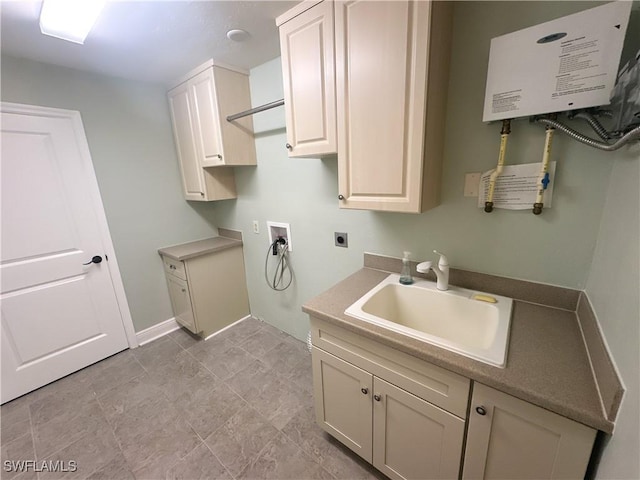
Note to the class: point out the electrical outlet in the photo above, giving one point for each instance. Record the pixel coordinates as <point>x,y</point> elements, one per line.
<point>341,239</point>
<point>256,226</point>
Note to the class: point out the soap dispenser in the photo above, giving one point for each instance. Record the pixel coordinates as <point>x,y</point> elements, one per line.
<point>405,273</point>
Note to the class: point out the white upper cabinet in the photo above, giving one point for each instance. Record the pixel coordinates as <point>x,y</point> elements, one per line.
<point>199,105</point>
<point>307,49</point>
<point>392,66</point>
<point>193,184</point>
<point>207,123</point>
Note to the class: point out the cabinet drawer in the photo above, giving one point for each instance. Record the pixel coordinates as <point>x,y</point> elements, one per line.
<point>174,267</point>
<point>441,387</point>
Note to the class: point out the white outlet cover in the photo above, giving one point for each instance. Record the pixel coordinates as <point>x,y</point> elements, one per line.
<point>472,184</point>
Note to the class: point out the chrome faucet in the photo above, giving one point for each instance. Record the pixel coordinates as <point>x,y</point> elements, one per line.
<point>441,271</point>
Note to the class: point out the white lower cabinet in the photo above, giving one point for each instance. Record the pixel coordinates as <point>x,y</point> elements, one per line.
<point>402,435</point>
<point>509,438</point>
<point>408,417</point>
<point>208,292</point>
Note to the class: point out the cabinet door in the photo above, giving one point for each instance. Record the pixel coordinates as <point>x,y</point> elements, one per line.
<point>182,118</point>
<point>181,302</point>
<point>342,394</point>
<point>205,119</point>
<point>218,289</point>
<point>381,60</point>
<point>413,439</point>
<point>307,48</point>
<point>390,57</point>
<point>513,439</point>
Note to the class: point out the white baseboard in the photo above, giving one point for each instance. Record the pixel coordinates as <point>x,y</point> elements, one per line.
<point>156,331</point>
<point>227,327</point>
<point>163,328</point>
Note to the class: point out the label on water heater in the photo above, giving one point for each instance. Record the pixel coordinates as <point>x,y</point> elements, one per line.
<point>561,65</point>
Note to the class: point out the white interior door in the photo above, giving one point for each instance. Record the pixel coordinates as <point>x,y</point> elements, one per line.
<point>58,315</point>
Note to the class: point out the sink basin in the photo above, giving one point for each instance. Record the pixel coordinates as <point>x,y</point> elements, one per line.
<point>450,319</point>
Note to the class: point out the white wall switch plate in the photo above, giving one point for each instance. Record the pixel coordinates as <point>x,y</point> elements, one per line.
<point>256,226</point>
<point>471,184</point>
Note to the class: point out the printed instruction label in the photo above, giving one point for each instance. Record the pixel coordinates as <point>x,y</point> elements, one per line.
<point>517,186</point>
<point>556,66</point>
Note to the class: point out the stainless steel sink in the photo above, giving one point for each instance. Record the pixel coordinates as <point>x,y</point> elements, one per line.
<point>456,319</point>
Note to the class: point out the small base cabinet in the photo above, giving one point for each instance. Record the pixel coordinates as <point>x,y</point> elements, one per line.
<point>511,438</point>
<point>208,292</point>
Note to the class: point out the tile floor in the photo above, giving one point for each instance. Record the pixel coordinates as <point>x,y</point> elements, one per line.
<point>237,406</point>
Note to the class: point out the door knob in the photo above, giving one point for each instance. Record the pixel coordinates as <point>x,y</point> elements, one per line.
<point>96,259</point>
<point>377,398</point>
<point>340,197</point>
<point>289,147</point>
<point>481,410</point>
<point>364,390</point>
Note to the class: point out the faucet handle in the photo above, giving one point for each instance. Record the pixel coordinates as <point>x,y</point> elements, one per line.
<point>444,262</point>
<point>424,267</point>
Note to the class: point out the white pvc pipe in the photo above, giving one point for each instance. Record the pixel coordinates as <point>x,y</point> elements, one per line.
<point>537,206</point>
<point>504,135</point>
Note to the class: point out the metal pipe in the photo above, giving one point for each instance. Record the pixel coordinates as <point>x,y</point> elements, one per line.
<point>504,135</point>
<point>595,124</point>
<point>633,134</point>
<point>543,179</point>
<point>251,111</point>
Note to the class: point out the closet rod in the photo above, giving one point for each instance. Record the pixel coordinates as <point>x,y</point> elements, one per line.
<point>251,111</point>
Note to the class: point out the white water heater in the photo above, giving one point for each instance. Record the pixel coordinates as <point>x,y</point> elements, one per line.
<point>561,65</point>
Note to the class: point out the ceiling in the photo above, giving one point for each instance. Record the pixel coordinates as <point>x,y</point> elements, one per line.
<point>150,40</point>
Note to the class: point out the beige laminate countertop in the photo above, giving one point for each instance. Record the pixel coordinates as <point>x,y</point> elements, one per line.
<point>188,250</point>
<point>547,362</point>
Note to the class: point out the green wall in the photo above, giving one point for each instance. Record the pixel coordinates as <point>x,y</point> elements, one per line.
<point>613,288</point>
<point>129,134</point>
